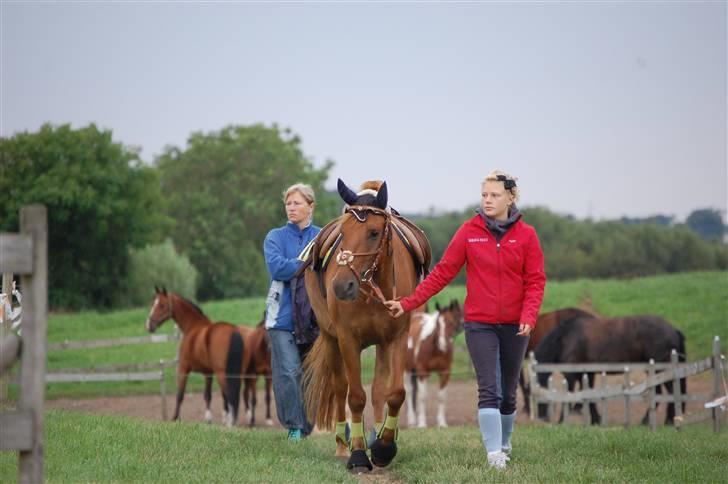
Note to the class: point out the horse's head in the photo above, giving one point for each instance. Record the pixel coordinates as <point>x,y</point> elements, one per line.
<point>161,309</point>
<point>453,316</point>
<point>364,233</point>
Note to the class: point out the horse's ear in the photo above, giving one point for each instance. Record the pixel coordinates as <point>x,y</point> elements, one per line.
<point>381,200</point>
<point>347,194</point>
<point>454,304</point>
<point>156,290</point>
<point>437,307</point>
<point>164,290</point>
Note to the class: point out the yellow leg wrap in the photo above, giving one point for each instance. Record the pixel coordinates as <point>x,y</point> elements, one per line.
<point>341,431</point>
<point>357,430</point>
<point>391,423</point>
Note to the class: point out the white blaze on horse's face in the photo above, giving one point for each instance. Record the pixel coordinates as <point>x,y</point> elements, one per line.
<point>148,324</point>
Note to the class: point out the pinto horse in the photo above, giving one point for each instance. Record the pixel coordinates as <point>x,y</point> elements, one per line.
<point>430,348</point>
<point>371,265</point>
<point>258,346</point>
<point>612,340</point>
<point>207,348</point>
<point>544,324</point>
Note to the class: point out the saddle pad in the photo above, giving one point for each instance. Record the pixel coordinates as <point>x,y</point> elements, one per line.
<point>415,240</point>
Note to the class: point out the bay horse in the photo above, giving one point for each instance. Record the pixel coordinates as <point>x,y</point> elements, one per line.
<point>258,345</point>
<point>371,265</point>
<point>208,348</point>
<point>430,348</point>
<point>612,340</point>
<point>544,324</point>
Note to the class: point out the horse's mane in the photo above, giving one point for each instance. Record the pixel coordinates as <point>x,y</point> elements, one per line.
<point>371,185</point>
<point>193,305</point>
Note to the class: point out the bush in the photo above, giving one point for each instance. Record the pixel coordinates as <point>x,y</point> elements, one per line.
<point>158,265</point>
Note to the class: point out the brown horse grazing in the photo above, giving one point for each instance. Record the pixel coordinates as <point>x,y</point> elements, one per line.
<point>207,348</point>
<point>544,324</point>
<point>430,350</point>
<point>370,263</point>
<point>614,340</point>
<point>258,345</point>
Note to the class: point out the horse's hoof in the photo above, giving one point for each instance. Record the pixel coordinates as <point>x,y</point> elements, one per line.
<point>383,453</point>
<point>359,463</point>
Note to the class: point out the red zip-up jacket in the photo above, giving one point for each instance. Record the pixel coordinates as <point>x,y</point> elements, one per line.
<point>505,280</point>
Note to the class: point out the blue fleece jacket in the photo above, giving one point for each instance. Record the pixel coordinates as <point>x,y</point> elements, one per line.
<point>281,249</point>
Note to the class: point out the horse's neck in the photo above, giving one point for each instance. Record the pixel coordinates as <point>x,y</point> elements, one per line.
<point>187,316</point>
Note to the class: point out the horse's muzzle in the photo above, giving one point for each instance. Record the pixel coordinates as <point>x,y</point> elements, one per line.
<point>151,327</point>
<point>346,290</point>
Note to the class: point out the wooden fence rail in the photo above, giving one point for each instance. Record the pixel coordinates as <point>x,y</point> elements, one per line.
<point>668,372</point>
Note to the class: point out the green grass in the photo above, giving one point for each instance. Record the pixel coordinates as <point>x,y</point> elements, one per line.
<point>89,448</point>
<point>696,303</point>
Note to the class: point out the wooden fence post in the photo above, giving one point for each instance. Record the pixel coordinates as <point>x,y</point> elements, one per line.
<point>626,386</point>
<point>163,390</point>
<point>605,401</point>
<point>34,222</point>
<point>676,390</point>
<point>4,331</point>
<point>652,389</point>
<point>585,410</point>
<point>717,412</point>
<point>550,407</point>
<point>532,384</point>
<point>565,407</point>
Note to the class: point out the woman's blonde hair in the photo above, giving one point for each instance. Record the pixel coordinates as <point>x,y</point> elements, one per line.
<point>498,175</point>
<point>305,190</point>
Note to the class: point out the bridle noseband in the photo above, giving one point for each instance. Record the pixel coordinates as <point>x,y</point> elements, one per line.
<point>346,257</point>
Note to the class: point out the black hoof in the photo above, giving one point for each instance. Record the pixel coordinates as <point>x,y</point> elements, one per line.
<point>383,453</point>
<point>359,462</point>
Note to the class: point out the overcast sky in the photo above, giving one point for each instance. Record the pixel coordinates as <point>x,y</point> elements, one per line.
<point>600,109</point>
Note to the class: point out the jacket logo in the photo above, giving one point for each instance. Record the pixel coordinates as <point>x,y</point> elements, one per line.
<point>512,241</point>
<point>477,239</point>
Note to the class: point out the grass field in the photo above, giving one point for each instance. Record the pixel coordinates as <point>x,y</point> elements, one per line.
<point>696,303</point>
<point>87,448</point>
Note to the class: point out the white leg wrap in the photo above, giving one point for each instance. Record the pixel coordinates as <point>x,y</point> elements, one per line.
<point>411,420</point>
<point>441,401</point>
<point>422,404</point>
<point>208,416</point>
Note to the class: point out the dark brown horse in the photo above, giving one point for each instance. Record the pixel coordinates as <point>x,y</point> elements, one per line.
<point>430,348</point>
<point>258,346</point>
<point>614,340</point>
<point>207,348</point>
<point>369,264</point>
<point>545,323</point>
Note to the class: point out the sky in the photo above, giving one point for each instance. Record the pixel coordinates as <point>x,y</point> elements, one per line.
<point>601,109</point>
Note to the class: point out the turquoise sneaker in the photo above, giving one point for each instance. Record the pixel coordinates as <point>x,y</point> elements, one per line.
<point>295,435</point>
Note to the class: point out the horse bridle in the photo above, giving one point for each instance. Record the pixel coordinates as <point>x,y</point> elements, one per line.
<point>346,257</point>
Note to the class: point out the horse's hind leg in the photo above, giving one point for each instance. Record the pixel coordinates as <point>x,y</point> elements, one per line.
<point>379,389</point>
<point>442,398</point>
<point>351,355</point>
<point>670,417</point>
<point>525,390</point>
<point>268,383</point>
<point>208,398</point>
<point>253,399</point>
<point>410,387</point>
<point>595,418</point>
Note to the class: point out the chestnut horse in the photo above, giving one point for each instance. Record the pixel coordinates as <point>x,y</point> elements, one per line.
<point>544,324</point>
<point>258,346</point>
<point>207,348</point>
<point>370,265</point>
<point>430,350</point>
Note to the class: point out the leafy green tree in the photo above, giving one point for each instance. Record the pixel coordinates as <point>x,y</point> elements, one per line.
<point>225,193</point>
<point>707,223</point>
<point>101,200</point>
<point>158,265</point>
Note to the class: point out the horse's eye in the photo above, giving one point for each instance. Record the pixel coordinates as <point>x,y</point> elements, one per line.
<point>373,234</point>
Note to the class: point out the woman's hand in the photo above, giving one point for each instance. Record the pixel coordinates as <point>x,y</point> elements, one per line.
<point>394,308</point>
<point>524,330</point>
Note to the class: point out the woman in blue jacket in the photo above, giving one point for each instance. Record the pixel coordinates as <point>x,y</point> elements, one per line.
<point>281,248</point>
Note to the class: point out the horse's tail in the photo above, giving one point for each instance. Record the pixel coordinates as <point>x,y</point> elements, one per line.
<point>322,368</point>
<point>233,373</point>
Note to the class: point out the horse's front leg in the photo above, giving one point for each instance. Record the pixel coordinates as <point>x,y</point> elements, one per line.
<point>268,384</point>
<point>208,398</point>
<point>384,448</point>
<point>351,355</point>
<point>182,373</point>
<point>379,390</point>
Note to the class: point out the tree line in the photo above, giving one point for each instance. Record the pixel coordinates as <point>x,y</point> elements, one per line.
<point>195,219</point>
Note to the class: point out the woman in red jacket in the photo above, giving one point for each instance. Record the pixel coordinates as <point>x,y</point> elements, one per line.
<point>505,284</point>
